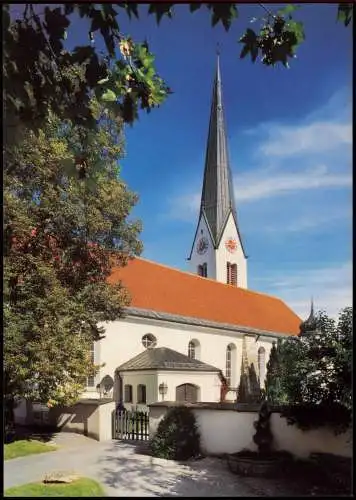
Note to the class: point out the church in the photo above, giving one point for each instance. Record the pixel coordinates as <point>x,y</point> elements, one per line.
<point>186,336</point>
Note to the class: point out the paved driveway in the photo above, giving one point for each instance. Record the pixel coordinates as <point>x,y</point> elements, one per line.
<point>124,471</point>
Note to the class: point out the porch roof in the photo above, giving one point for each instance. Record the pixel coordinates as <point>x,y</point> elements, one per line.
<point>163,358</point>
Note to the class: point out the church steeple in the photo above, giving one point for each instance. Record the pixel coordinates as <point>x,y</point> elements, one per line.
<point>217,250</point>
<point>217,200</point>
<point>309,326</point>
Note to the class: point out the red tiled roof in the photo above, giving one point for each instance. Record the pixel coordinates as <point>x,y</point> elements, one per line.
<point>163,289</point>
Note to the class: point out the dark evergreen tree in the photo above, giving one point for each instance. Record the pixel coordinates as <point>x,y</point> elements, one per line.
<point>273,387</point>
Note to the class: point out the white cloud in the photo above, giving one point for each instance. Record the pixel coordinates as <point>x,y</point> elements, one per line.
<point>185,207</point>
<point>331,288</point>
<point>338,105</point>
<point>325,129</point>
<point>307,157</point>
<point>289,140</point>
<point>260,184</point>
<point>311,221</point>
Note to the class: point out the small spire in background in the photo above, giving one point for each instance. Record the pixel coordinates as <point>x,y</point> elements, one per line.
<point>309,325</point>
<point>218,49</point>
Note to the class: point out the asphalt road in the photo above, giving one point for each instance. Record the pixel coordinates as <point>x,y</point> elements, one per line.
<point>123,470</point>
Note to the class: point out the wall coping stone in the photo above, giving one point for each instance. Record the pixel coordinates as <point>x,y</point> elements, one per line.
<point>240,407</point>
<point>93,401</point>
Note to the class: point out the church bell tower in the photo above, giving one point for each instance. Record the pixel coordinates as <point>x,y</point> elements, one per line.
<point>217,250</point>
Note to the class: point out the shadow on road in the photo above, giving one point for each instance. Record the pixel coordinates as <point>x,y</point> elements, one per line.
<point>133,474</point>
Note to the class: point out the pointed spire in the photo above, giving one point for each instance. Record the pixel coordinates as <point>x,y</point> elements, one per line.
<point>217,200</point>
<point>309,325</point>
<point>312,307</point>
<point>311,315</point>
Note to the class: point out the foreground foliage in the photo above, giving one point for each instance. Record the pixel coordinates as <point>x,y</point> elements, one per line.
<point>83,487</point>
<point>37,57</point>
<point>313,374</point>
<point>177,436</point>
<point>62,235</point>
<point>25,447</point>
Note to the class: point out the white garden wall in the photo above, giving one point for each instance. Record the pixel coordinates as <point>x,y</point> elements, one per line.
<point>227,430</point>
<point>302,443</point>
<point>91,418</point>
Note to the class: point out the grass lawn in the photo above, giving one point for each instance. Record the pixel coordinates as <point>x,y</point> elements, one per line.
<point>83,487</point>
<point>25,447</point>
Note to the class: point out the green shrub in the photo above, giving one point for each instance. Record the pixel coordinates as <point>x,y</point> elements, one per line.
<point>177,436</point>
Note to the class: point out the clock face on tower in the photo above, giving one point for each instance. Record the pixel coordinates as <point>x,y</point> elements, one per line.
<point>231,245</point>
<point>202,245</point>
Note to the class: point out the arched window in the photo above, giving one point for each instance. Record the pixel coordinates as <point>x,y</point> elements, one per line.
<point>194,349</point>
<point>128,393</point>
<point>141,393</point>
<point>231,274</point>
<point>229,364</point>
<point>149,341</point>
<point>203,270</point>
<point>261,361</point>
<point>191,350</point>
<point>91,378</point>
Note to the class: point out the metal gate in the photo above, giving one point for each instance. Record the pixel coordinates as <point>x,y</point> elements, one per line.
<point>133,425</point>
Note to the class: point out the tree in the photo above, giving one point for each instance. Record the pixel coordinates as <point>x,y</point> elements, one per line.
<point>37,67</point>
<point>36,62</point>
<point>343,357</point>
<point>62,235</point>
<point>315,371</point>
<point>273,387</point>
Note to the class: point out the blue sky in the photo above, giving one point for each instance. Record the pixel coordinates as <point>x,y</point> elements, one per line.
<point>290,150</point>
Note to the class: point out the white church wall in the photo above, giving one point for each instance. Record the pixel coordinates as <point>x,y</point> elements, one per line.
<point>208,256</point>
<point>123,341</point>
<point>223,256</point>
<point>208,384</point>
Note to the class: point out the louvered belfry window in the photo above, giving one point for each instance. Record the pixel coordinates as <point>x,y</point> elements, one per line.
<point>234,274</point>
<point>231,274</point>
<point>228,272</point>
<point>203,270</point>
